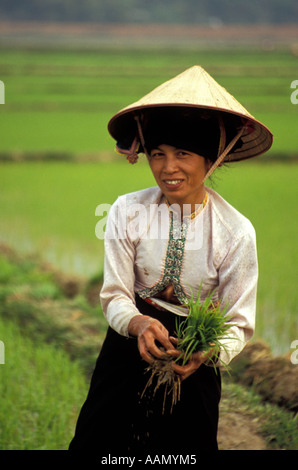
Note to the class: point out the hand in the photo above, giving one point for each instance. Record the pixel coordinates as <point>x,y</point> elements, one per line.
<point>194,362</point>
<point>149,330</point>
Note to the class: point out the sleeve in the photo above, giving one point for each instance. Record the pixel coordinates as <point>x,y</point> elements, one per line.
<point>117,294</point>
<point>238,276</point>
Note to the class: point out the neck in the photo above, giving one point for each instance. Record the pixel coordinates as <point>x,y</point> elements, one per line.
<point>188,205</point>
<point>189,208</point>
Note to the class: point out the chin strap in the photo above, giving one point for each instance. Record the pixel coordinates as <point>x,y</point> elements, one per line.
<point>141,136</point>
<point>222,135</point>
<point>224,153</point>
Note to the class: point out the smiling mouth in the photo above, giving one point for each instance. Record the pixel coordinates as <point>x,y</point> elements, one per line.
<point>172,182</point>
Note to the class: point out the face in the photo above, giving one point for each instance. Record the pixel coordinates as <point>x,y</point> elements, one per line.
<point>179,174</point>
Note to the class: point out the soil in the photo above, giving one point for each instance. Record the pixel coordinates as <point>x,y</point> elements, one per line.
<point>237,431</point>
<point>275,379</point>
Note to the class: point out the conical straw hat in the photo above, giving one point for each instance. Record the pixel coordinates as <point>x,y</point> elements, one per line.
<point>196,89</point>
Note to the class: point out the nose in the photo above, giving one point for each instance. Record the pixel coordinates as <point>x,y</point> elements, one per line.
<point>170,164</point>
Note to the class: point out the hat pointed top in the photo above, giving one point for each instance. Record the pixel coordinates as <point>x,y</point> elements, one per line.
<point>194,87</point>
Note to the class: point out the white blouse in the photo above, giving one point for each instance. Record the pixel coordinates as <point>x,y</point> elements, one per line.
<point>147,248</point>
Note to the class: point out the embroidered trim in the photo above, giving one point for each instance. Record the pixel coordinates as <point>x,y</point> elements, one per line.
<point>174,256</point>
<point>200,208</point>
<point>173,262</point>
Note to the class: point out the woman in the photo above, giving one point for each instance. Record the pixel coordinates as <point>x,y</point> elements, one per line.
<point>161,245</point>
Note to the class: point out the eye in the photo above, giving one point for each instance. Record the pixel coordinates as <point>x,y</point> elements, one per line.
<point>182,154</point>
<point>156,154</point>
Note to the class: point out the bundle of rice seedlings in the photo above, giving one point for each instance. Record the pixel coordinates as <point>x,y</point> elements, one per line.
<point>204,329</point>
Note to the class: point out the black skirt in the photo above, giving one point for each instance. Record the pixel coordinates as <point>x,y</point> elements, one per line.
<point>114,417</point>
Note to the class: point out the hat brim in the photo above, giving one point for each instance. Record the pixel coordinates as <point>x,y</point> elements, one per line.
<point>255,140</point>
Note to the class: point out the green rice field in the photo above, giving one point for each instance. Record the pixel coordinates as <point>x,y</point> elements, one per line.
<point>57,105</point>
<point>60,101</point>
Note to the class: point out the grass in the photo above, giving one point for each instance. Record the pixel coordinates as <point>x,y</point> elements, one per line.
<point>41,390</point>
<point>50,308</point>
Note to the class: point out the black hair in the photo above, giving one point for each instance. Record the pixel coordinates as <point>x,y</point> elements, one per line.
<point>187,129</point>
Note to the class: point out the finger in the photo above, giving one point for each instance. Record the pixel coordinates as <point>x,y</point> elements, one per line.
<point>182,370</point>
<point>149,345</point>
<point>173,340</point>
<point>155,351</point>
<point>206,355</point>
<point>164,339</point>
<point>144,352</point>
<point>160,334</point>
<point>174,353</point>
<point>188,369</point>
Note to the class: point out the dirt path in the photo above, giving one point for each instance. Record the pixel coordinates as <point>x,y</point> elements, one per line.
<point>275,379</point>
<point>239,432</point>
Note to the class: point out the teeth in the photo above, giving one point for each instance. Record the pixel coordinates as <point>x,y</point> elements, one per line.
<point>172,181</point>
